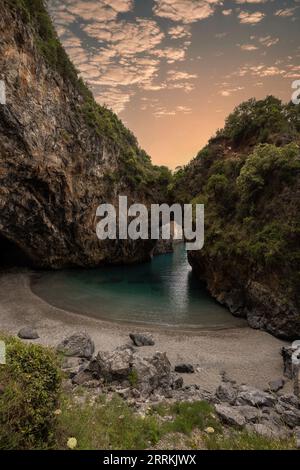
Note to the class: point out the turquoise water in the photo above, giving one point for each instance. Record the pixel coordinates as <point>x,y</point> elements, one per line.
<point>161,292</point>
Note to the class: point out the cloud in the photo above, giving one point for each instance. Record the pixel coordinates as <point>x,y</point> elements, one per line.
<point>162,111</point>
<point>179,32</point>
<point>286,12</point>
<point>248,47</point>
<point>260,70</point>
<point>229,91</point>
<point>113,98</point>
<point>176,75</point>
<point>268,41</point>
<point>187,11</point>
<point>127,38</point>
<point>227,12</point>
<point>251,18</point>
<point>101,10</point>
<point>171,54</point>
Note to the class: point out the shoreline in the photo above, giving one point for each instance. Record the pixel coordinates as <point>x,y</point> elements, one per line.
<point>246,355</point>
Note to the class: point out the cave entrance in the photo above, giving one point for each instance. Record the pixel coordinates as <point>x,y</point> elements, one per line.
<point>11,255</point>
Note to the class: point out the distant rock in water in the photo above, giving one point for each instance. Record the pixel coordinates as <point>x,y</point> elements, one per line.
<point>61,154</point>
<point>248,178</point>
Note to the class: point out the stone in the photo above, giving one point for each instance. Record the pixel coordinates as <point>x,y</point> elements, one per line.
<point>287,353</point>
<point>289,401</point>
<point>140,340</point>
<point>184,368</point>
<point>73,365</point>
<point>226,393</point>
<point>82,378</point>
<point>250,413</point>
<point>77,345</point>
<point>291,418</point>
<point>114,366</point>
<point>28,333</point>
<point>254,397</point>
<point>268,431</point>
<point>230,415</point>
<point>276,385</point>
<point>177,382</point>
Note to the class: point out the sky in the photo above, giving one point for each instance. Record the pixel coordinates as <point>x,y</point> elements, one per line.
<point>174,69</point>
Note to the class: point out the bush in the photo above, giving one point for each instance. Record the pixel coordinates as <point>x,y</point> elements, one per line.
<point>31,381</point>
<point>268,164</point>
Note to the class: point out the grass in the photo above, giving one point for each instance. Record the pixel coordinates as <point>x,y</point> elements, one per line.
<point>105,425</point>
<point>35,414</point>
<point>244,440</point>
<point>113,425</point>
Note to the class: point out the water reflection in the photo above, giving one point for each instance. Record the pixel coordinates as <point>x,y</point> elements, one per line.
<point>163,292</point>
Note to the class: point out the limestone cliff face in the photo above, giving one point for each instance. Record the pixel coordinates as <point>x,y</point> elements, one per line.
<point>61,155</point>
<point>248,177</point>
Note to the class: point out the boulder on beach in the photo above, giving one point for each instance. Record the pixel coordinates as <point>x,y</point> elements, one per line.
<point>77,345</point>
<point>185,368</point>
<point>28,333</point>
<point>140,340</point>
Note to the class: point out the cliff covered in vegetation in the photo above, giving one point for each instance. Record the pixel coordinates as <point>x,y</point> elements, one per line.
<point>61,154</point>
<point>248,177</point>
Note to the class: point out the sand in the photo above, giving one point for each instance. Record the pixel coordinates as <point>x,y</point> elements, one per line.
<point>246,355</point>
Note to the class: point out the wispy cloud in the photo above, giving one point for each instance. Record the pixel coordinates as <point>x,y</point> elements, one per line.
<point>187,11</point>
<point>251,18</point>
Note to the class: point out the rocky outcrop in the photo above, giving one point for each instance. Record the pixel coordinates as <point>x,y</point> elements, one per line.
<point>264,413</point>
<point>61,154</point>
<point>248,179</point>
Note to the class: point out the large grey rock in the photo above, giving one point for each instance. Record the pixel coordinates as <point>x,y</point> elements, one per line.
<point>116,365</point>
<point>77,345</point>
<point>289,401</point>
<point>230,415</point>
<point>28,333</point>
<point>185,368</point>
<point>268,430</point>
<point>291,418</point>
<point>140,340</point>
<point>226,393</point>
<point>146,375</point>
<point>73,365</point>
<point>82,378</point>
<point>254,397</point>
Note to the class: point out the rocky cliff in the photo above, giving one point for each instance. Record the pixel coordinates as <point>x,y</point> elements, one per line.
<point>248,177</point>
<point>61,154</point>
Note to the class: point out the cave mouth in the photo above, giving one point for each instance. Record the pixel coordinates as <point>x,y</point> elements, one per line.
<point>11,255</point>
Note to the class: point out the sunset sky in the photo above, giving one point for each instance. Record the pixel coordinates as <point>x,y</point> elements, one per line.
<point>174,69</point>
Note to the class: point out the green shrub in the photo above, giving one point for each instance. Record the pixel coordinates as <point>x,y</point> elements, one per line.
<point>31,382</point>
<point>268,164</point>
